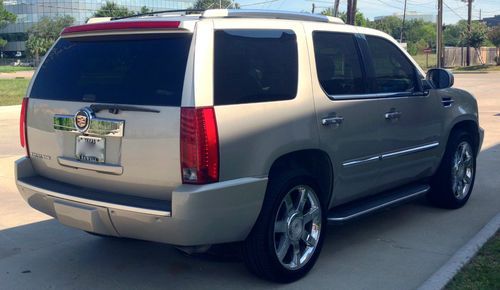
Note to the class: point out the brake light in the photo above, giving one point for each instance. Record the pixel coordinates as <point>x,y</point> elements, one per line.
<point>121,25</point>
<point>23,130</point>
<point>199,146</point>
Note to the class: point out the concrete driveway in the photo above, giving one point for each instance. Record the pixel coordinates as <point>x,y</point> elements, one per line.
<point>395,249</point>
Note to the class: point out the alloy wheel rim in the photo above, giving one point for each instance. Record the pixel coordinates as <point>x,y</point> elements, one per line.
<point>462,170</point>
<point>297,227</point>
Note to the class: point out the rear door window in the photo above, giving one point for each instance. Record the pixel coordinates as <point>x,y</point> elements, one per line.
<point>338,63</point>
<point>254,66</point>
<point>132,69</point>
<point>394,73</point>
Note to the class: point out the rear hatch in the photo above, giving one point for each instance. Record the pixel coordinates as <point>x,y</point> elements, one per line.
<point>104,112</point>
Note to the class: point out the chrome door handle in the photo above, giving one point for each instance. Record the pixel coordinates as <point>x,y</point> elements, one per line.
<point>392,115</point>
<point>327,121</point>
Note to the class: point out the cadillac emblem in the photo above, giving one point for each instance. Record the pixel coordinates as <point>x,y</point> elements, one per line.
<point>83,119</point>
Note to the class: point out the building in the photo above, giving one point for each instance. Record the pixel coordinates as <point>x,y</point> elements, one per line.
<point>411,15</point>
<point>30,11</point>
<point>492,21</point>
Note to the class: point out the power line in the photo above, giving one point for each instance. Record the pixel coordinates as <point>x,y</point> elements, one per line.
<point>452,10</point>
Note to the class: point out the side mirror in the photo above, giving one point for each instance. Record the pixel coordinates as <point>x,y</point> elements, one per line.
<point>440,78</point>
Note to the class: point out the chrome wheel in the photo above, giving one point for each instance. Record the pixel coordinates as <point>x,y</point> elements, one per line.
<point>297,227</point>
<point>462,170</point>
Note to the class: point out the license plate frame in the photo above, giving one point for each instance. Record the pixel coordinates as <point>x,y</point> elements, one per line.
<point>90,149</point>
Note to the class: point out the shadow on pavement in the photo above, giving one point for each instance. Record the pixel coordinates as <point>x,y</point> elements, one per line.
<point>386,246</point>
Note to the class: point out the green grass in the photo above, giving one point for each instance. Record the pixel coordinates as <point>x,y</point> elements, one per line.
<point>12,91</point>
<point>483,271</point>
<point>478,68</point>
<point>420,59</point>
<point>11,69</point>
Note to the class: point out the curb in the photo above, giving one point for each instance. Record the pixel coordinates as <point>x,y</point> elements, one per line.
<point>441,278</point>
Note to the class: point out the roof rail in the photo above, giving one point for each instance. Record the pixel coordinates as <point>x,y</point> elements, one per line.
<point>153,13</point>
<point>271,14</point>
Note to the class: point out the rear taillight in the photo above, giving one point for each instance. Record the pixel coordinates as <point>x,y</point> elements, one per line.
<point>23,130</point>
<point>199,146</point>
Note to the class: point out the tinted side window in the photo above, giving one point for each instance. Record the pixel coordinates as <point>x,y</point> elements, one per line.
<point>254,66</point>
<point>393,71</point>
<point>338,63</point>
<point>124,69</point>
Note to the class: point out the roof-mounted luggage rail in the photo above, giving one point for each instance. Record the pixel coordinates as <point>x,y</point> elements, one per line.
<point>153,13</point>
<point>269,14</point>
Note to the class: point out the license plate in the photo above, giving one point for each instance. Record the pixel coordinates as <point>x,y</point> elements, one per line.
<point>90,149</point>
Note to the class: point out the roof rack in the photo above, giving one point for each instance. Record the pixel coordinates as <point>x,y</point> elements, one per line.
<point>270,14</point>
<point>153,13</point>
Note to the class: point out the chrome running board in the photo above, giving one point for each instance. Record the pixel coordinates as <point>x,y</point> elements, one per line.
<point>365,206</point>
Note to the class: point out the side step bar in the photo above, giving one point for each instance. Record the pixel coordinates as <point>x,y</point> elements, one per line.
<point>356,209</point>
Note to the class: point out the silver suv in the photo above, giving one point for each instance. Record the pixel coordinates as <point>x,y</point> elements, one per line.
<point>257,127</point>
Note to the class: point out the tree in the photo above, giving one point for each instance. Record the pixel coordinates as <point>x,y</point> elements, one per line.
<point>6,18</point>
<point>111,9</point>
<point>145,10</point>
<point>419,31</point>
<point>477,36</point>
<point>214,4</point>
<point>452,34</point>
<point>43,34</point>
<point>359,19</point>
<point>390,25</point>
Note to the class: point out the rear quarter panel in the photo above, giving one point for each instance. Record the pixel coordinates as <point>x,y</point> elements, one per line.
<point>252,136</point>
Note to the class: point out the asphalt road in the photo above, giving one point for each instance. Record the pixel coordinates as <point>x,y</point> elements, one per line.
<point>394,249</point>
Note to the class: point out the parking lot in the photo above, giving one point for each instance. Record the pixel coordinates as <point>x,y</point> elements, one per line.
<point>394,249</point>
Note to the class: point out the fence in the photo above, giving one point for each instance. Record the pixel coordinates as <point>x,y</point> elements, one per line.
<point>17,62</point>
<point>456,56</point>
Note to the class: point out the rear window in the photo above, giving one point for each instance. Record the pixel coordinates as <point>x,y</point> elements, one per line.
<point>254,66</point>
<point>139,70</point>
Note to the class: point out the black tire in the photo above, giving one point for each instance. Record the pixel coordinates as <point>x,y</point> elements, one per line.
<point>258,250</point>
<point>442,192</point>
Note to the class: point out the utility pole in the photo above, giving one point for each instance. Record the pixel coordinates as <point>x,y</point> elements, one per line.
<point>336,8</point>
<point>439,35</point>
<point>353,11</point>
<point>313,7</point>
<point>403,24</point>
<point>469,20</point>
<point>349,9</point>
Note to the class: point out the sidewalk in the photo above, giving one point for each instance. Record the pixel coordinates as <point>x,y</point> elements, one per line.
<point>17,75</point>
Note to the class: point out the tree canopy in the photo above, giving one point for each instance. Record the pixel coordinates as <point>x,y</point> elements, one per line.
<point>214,4</point>
<point>359,19</point>
<point>44,33</point>
<point>111,9</point>
<point>6,18</point>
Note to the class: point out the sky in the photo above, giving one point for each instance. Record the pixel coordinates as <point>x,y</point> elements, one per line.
<point>454,10</point>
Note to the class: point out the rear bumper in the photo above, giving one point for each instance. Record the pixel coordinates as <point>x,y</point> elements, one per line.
<point>197,214</point>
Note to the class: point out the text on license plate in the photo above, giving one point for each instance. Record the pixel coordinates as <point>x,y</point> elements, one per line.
<point>90,149</point>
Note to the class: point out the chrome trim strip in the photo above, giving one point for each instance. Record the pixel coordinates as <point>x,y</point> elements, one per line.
<point>403,152</point>
<point>97,127</point>
<point>104,168</point>
<point>95,202</point>
<point>394,95</point>
<point>410,150</point>
<point>361,161</point>
<point>380,206</point>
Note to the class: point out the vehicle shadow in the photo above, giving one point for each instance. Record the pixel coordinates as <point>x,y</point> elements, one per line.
<point>365,253</point>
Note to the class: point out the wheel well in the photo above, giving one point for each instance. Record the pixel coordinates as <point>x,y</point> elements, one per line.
<point>314,161</point>
<point>471,127</point>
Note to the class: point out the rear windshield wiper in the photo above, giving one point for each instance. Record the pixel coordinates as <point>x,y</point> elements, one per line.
<point>115,109</point>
